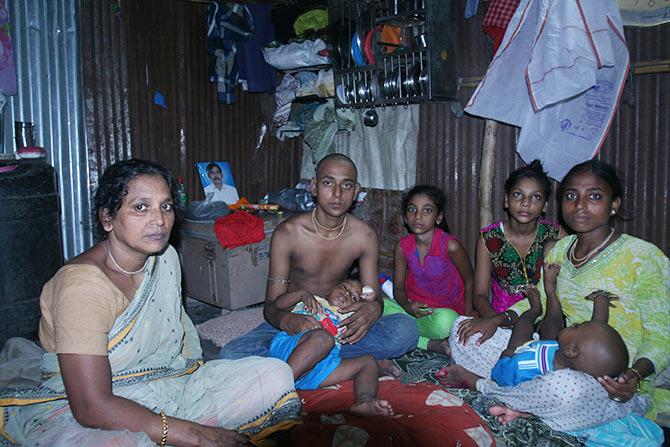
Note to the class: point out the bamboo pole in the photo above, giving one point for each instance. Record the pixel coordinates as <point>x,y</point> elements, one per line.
<point>486,173</point>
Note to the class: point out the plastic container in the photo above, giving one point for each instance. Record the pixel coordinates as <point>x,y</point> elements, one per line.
<point>182,198</point>
<point>23,134</point>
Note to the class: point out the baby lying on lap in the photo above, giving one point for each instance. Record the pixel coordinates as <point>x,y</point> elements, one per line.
<point>314,356</point>
<point>592,347</point>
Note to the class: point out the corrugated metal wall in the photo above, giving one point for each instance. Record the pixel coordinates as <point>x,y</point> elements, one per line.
<point>166,50</point>
<point>105,74</point>
<point>164,44</point>
<point>46,48</point>
<point>450,148</point>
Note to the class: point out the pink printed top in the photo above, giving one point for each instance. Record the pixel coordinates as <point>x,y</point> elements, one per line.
<point>437,282</point>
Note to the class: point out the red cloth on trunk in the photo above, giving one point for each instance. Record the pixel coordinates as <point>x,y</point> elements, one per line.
<point>239,228</point>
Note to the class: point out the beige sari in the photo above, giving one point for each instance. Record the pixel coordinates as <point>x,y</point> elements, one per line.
<point>155,357</point>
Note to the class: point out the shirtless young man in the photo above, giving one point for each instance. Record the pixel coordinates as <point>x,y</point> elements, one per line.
<point>314,252</point>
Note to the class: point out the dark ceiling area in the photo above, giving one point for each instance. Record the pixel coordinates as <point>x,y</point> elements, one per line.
<point>303,4</point>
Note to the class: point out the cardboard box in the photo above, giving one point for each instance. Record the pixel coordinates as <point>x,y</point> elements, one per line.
<point>226,278</point>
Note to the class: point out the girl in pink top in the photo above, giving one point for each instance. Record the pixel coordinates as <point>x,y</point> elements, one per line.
<point>432,272</point>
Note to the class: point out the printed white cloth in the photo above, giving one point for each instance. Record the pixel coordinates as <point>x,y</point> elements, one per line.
<point>558,75</point>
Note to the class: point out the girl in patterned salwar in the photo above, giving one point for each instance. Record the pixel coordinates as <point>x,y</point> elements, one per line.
<point>596,257</point>
<point>123,361</point>
<point>509,254</point>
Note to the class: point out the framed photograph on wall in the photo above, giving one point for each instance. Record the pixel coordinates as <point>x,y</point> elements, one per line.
<point>217,181</point>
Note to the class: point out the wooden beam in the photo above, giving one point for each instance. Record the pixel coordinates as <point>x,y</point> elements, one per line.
<point>638,68</point>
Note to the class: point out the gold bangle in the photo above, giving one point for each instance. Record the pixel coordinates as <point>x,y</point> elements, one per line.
<point>164,433</point>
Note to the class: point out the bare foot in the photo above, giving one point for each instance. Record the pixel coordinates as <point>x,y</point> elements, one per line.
<point>441,346</point>
<point>505,415</point>
<point>375,407</point>
<point>455,376</point>
<point>388,368</point>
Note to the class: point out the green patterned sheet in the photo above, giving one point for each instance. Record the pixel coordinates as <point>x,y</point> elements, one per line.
<point>421,366</point>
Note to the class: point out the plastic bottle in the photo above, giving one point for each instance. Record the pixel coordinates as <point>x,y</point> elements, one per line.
<point>181,194</point>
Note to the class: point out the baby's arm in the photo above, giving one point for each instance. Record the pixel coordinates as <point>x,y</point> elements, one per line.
<point>523,327</point>
<point>288,300</point>
<point>601,305</point>
<point>553,320</point>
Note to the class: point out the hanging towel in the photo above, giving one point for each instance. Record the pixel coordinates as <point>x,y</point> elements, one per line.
<point>239,228</point>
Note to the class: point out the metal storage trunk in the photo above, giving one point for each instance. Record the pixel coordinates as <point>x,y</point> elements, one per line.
<point>228,278</point>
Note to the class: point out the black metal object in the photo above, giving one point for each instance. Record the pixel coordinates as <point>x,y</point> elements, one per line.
<point>371,70</point>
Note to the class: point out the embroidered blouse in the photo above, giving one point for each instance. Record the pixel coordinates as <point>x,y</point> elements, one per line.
<point>511,272</point>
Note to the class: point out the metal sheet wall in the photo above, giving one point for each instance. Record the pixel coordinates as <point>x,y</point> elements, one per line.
<point>166,50</point>
<point>46,48</point>
<point>637,145</point>
<point>105,78</point>
<point>163,43</point>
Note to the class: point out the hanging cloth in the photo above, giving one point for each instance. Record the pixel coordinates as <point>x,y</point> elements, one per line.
<point>226,24</point>
<point>558,75</point>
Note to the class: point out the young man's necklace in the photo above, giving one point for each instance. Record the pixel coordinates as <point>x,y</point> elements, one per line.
<point>317,225</point>
<point>578,262</point>
<point>121,269</point>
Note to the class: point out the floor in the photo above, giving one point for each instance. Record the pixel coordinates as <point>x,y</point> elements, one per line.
<point>199,313</point>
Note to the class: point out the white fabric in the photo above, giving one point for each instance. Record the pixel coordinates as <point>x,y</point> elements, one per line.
<point>558,75</point>
<point>385,155</point>
<point>226,194</point>
<point>649,13</point>
<point>296,55</point>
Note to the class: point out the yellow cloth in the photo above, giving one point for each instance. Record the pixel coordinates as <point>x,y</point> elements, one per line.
<point>79,306</point>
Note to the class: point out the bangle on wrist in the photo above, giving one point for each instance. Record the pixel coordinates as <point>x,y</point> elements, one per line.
<point>639,377</point>
<point>164,432</point>
<point>637,373</point>
<point>509,318</point>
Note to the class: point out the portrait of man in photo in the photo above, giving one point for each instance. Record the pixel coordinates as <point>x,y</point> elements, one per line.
<point>217,181</point>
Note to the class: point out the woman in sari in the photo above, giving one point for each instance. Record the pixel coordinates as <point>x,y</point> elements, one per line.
<point>123,361</point>
<point>595,257</point>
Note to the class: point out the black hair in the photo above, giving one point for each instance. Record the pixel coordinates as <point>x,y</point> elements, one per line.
<point>436,196</point>
<point>113,187</point>
<point>212,165</point>
<point>339,157</point>
<point>535,171</point>
<point>603,170</point>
